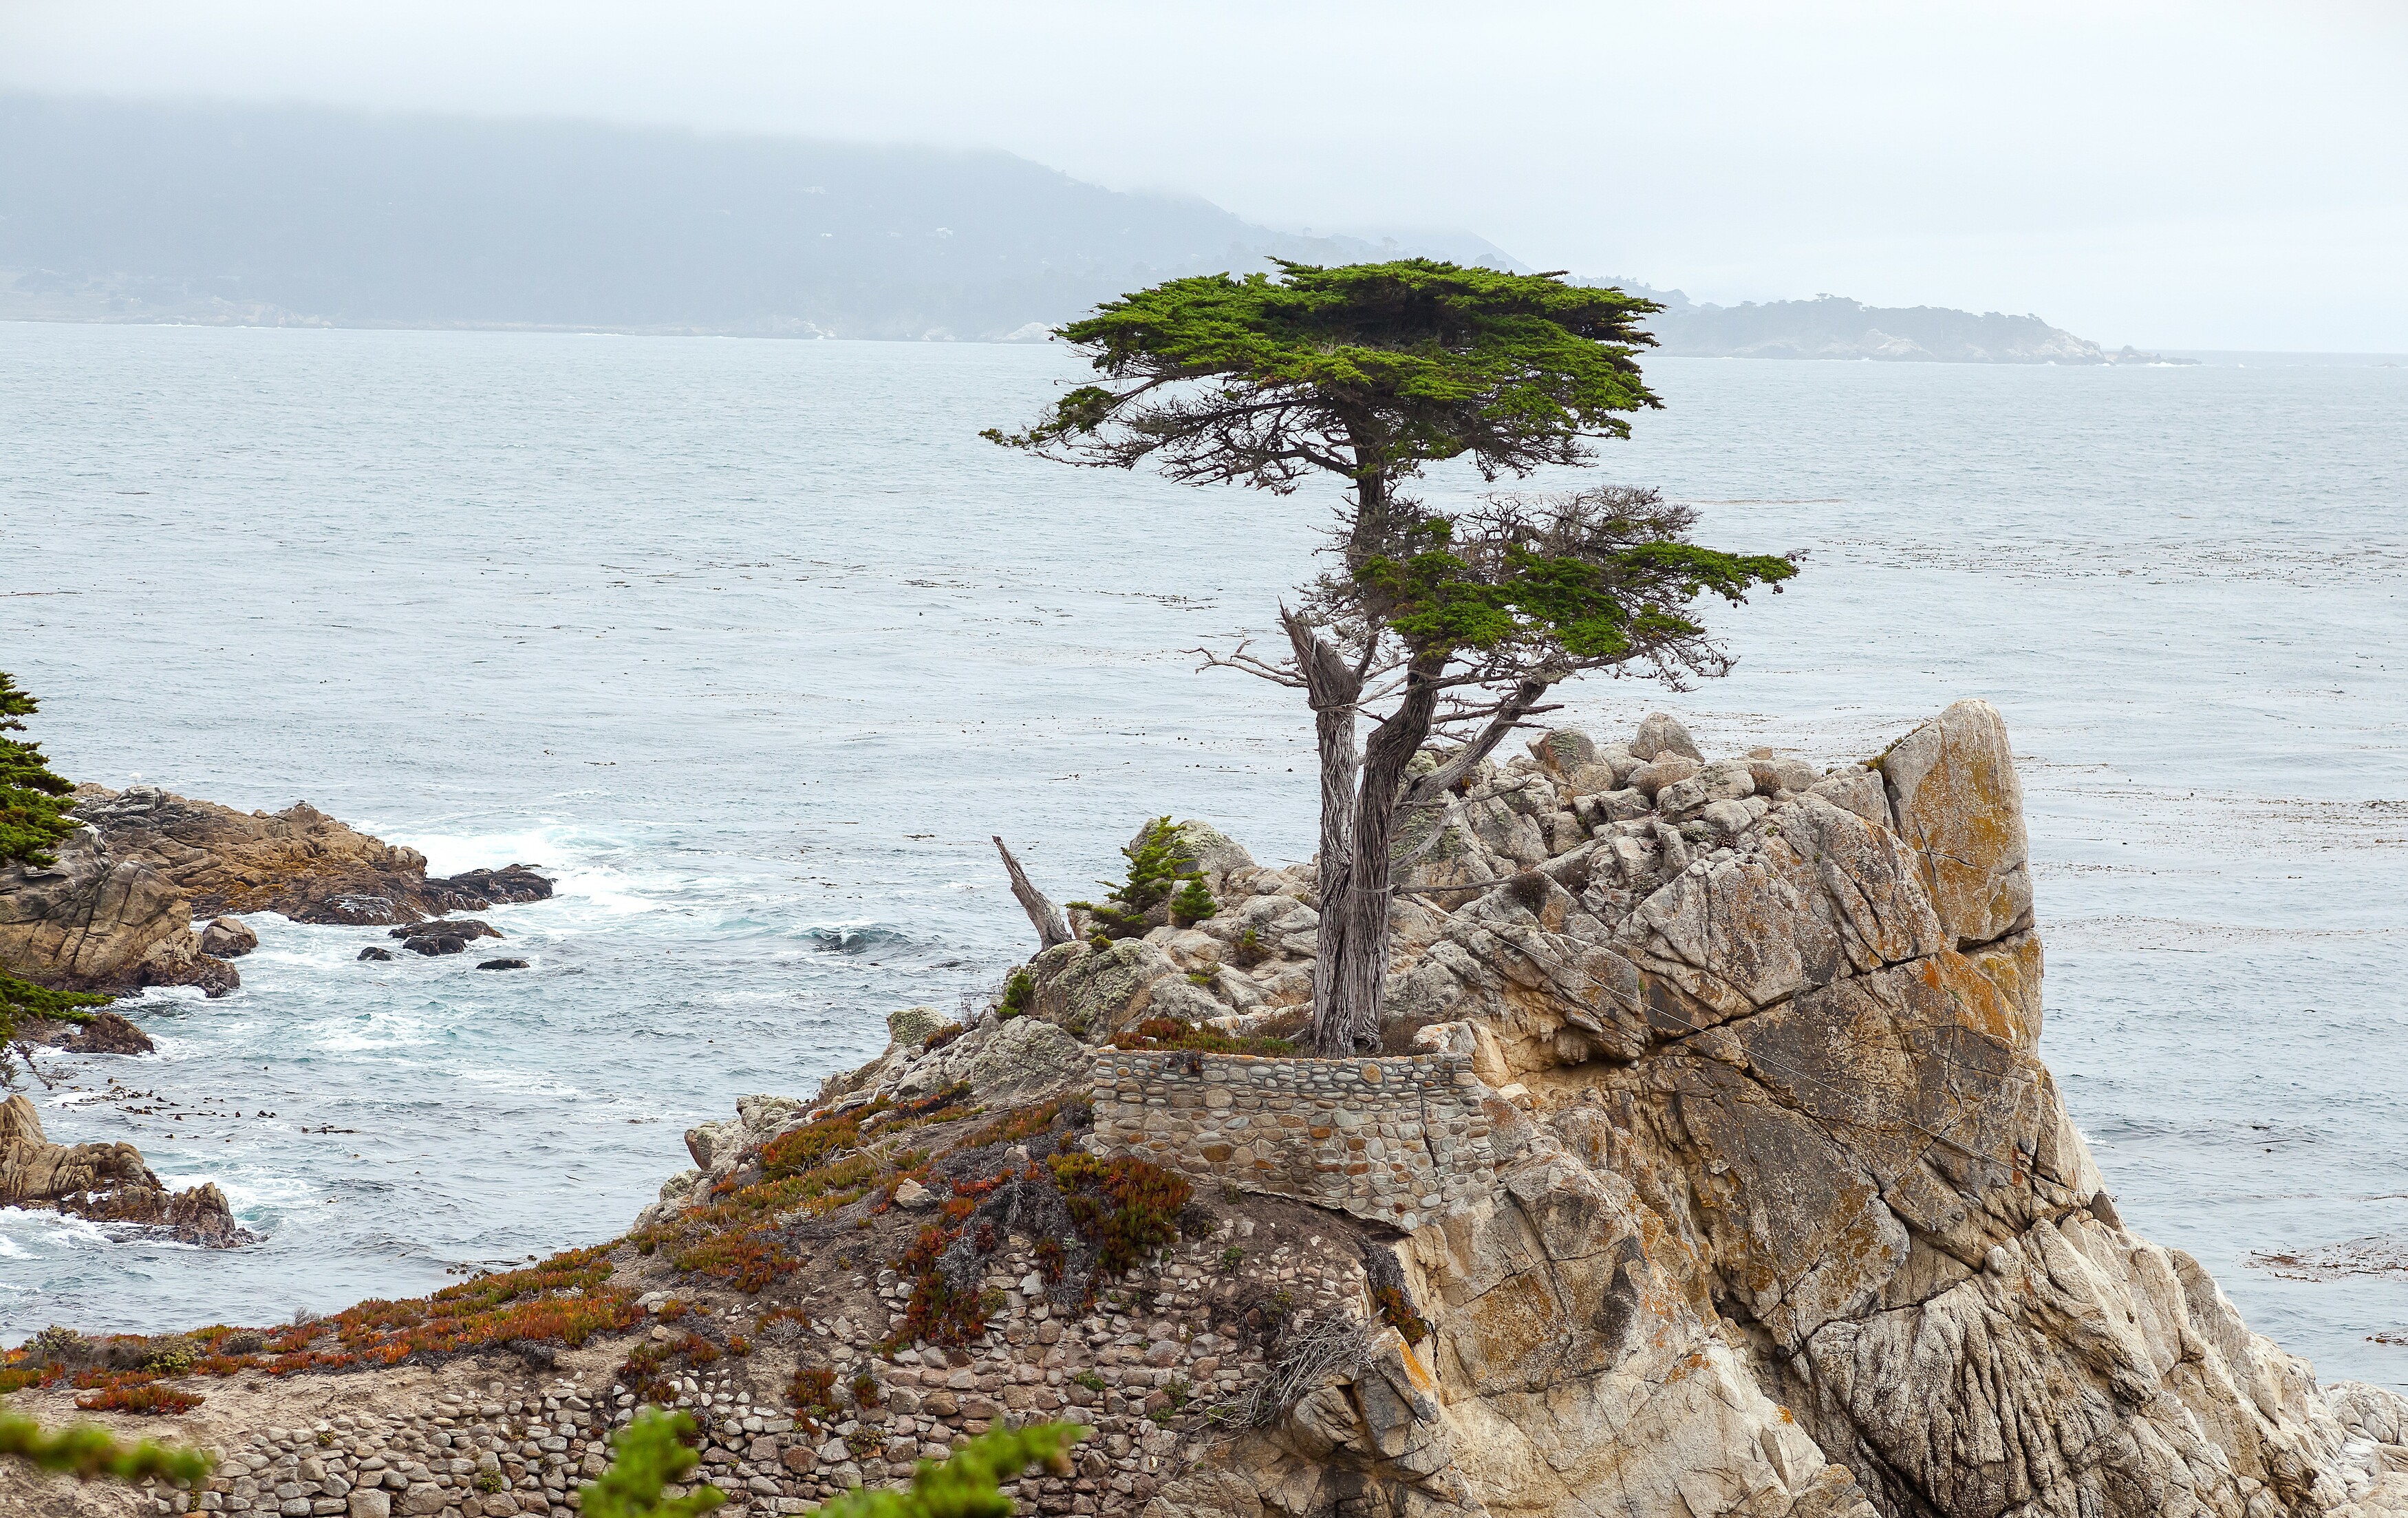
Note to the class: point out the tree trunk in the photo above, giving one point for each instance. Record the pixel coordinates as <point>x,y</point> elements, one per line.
<point>1353,1020</point>
<point>1332,686</point>
<point>1051,927</point>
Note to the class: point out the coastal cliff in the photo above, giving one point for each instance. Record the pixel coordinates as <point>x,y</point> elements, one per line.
<point>1711,1169</point>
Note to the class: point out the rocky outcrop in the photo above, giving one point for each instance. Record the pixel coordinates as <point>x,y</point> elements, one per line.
<point>98,920</point>
<point>109,1033</point>
<point>298,861</point>
<point>104,1182</point>
<point>1769,1210</point>
<point>1789,1217</point>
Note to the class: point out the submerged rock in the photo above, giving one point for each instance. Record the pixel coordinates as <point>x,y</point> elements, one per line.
<point>376,951</point>
<point>443,936</point>
<point>501,964</point>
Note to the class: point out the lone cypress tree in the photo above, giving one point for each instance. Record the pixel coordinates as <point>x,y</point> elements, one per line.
<point>1434,625</point>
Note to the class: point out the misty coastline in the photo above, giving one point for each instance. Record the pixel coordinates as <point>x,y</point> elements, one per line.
<point>297,216</point>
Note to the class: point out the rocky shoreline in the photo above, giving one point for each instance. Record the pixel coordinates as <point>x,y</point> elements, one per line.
<point>1711,1169</point>
<point>145,894</point>
<point>105,1183</point>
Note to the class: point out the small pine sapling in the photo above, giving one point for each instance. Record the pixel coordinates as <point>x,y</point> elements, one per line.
<point>1157,862</point>
<point>1019,995</point>
<point>1192,904</point>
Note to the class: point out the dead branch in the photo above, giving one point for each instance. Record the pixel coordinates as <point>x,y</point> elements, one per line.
<point>1052,926</point>
<point>1311,1354</point>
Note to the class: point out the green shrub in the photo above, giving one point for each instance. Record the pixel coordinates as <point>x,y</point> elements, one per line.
<point>1019,996</point>
<point>1126,1207</point>
<point>968,1485</point>
<point>1192,904</point>
<point>85,1452</point>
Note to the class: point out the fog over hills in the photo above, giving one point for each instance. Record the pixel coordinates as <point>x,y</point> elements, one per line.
<point>309,216</point>
<point>115,211</point>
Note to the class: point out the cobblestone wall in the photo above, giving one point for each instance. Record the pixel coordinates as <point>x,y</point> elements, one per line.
<point>1398,1140</point>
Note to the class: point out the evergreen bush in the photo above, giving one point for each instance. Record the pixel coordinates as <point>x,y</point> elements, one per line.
<point>1157,867</point>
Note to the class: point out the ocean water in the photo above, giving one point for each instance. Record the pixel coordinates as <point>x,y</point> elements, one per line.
<point>754,644</point>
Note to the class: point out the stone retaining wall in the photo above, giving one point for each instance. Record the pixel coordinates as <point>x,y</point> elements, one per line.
<point>1398,1140</point>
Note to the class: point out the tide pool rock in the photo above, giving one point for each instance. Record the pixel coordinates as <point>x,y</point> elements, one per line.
<point>109,1033</point>
<point>443,935</point>
<point>103,1182</point>
<point>300,862</point>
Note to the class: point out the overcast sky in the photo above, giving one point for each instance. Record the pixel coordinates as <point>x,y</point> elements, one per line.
<point>2198,175</point>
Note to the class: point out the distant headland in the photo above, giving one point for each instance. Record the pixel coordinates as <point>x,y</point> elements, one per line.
<point>308,217</point>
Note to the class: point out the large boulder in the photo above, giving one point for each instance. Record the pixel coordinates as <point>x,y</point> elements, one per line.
<point>228,938</point>
<point>109,1033</point>
<point>1025,1059</point>
<point>1212,853</point>
<point>1095,993</point>
<point>299,862</point>
<point>96,920</point>
<point>1661,733</point>
<point>1957,801</point>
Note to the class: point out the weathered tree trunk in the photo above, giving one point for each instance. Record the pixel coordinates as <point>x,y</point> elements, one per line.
<point>1052,926</point>
<point>1332,687</point>
<point>1355,1021</point>
<point>1351,973</point>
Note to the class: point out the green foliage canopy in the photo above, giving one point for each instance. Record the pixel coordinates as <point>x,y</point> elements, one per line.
<point>1553,584</point>
<point>33,800</point>
<point>1368,370</point>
